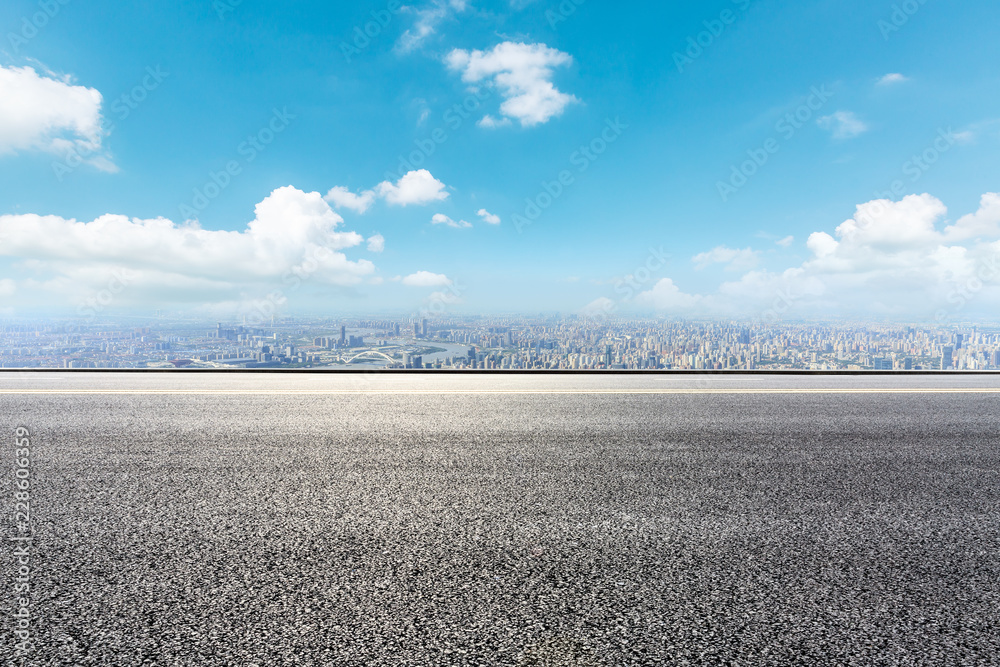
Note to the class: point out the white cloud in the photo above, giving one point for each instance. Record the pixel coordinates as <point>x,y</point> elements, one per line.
<point>984,223</point>
<point>890,79</point>
<point>665,295</point>
<point>376,243</point>
<point>416,187</point>
<point>50,115</point>
<point>843,125</point>
<point>598,308</point>
<point>523,73</point>
<point>294,234</point>
<point>490,123</point>
<point>891,259</point>
<point>786,242</point>
<point>7,287</point>
<point>426,279</point>
<point>341,197</point>
<point>488,217</point>
<point>822,244</point>
<point>449,298</point>
<point>441,219</point>
<point>428,20</point>
<point>737,260</point>
<point>972,133</point>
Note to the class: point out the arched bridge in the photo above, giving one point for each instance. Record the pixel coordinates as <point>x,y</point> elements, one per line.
<point>370,354</point>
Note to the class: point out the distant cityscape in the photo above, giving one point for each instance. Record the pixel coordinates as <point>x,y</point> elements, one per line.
<point>499,343</point>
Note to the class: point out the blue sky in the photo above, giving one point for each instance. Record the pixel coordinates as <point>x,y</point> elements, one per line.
<point>887,81</point>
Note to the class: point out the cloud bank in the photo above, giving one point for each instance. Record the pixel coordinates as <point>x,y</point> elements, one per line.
<point>901,260</point>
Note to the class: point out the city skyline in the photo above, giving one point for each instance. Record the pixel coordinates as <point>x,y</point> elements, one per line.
<point>501,343</point>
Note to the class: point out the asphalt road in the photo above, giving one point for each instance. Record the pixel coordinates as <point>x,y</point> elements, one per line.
<point>470,520</point>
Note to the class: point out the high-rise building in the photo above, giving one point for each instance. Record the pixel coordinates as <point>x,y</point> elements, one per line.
<point>423,327</point>
<point>343,335</point>
<point>959,338</point>
<point>947,360</point>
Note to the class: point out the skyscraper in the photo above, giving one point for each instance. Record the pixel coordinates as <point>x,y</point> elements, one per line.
<point>343,335</point>
<point>947,360</point>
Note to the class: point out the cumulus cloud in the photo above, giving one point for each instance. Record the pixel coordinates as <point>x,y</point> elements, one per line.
<point>843,125</point>
<point>984,223</point>
<point>736,260</point>
<point>665,295</point>
<point>429,18</point>
<point>426,279</point>
<point>341,197</point>
<point>488,217</point>
<point>441,219</point>
<point>294,235</point>
<point>890,259</point>
<point>376,243</point>
<point>890,79</point>
<point>523,74</point>
<point>415,188</point>
<point>50,115</point>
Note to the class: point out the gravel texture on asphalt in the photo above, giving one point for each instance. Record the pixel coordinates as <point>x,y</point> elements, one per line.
<point>509,529</point>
